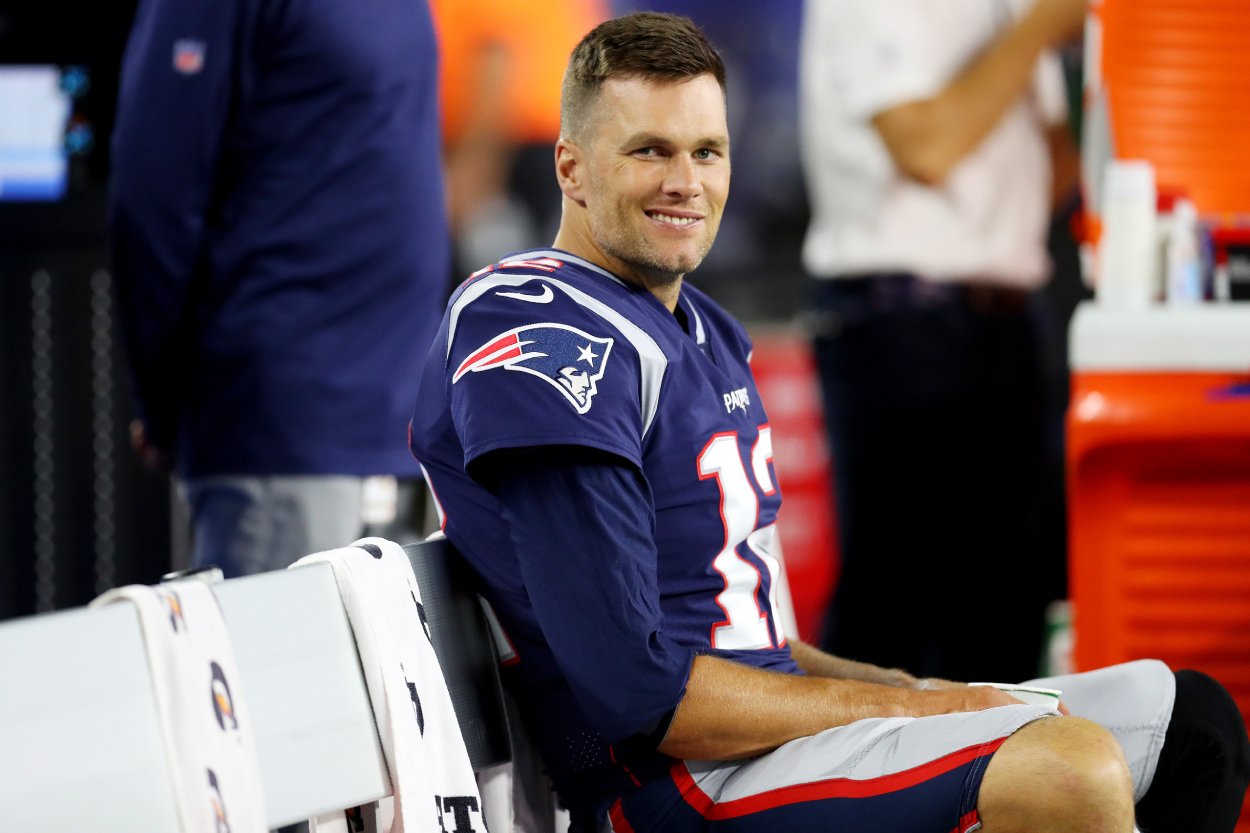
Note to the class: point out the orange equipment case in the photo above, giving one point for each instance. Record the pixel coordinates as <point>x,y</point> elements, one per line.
<point>1159,490</point>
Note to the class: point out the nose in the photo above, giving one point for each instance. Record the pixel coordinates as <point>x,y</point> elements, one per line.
<point>681,177</point>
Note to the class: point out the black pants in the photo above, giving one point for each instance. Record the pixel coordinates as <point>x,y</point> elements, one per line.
<point>946,459</point>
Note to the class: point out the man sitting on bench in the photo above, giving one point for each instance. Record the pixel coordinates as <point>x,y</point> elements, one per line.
<point>594,438</point>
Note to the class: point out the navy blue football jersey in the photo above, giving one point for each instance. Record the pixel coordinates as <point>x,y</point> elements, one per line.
<point>547,350</point>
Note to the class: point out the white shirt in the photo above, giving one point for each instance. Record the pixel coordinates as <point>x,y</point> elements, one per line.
<point>987,222</point>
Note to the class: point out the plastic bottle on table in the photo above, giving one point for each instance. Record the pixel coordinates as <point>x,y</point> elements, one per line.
<point>1184,284</point>
<point>1128,267</point>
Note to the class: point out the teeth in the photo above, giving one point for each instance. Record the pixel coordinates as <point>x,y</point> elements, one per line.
<point>676,221</point>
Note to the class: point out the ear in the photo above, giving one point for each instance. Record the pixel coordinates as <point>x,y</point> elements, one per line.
<point>570,170</point>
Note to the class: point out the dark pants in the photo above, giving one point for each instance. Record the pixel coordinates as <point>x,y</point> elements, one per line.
<point>944,456</point>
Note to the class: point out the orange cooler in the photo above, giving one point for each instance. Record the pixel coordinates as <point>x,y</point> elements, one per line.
<point>1159,490</point>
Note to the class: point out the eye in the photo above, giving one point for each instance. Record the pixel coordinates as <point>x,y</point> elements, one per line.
<point>705,154</point>
<point>647,152</point>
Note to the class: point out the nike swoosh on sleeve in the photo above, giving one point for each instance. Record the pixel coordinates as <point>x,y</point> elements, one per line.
<point>543,297</point>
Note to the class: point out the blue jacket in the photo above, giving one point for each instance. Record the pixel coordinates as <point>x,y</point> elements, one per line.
<point>280,244</point>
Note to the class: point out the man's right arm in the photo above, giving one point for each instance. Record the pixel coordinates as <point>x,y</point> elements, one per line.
<point>731,711</point>
<point>580,523</point>
<point>927,138</point>
<point>176,88</point>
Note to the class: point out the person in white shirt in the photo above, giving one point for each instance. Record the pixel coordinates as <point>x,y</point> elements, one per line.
<point>934,145</point>
<point>928,133</point>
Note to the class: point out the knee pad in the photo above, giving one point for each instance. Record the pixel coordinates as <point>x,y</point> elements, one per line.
<point>1206,713</point>
<point>1204,766</point>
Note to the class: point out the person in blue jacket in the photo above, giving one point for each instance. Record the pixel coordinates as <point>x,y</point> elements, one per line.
<point>281,256</point>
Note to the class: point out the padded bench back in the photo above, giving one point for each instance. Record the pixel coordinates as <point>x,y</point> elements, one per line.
<point>462,642</point>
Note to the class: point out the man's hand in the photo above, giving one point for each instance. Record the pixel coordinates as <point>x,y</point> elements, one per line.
<point>153,458</point>
<point>938,684</point>
<point>733,711</point>
<point>935,684</point>
<point>977,698</point>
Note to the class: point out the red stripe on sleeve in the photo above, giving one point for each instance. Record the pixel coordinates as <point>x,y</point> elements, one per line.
<point>485,356</point>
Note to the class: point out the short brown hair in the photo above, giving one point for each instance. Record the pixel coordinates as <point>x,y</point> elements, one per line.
<point>651,45</point>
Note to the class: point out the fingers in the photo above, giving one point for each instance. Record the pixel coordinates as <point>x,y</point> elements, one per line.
<point>150,457</point>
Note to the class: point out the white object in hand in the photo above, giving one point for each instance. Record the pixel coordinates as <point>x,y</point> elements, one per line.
<point>1033,695</point>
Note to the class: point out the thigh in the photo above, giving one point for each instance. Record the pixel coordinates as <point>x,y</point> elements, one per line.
<point>250,525</point>
<point>904,775</point>
<point>313,513</point>
<point>1133,700</point>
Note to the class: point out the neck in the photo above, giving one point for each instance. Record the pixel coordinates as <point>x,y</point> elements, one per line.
<point>577,241</point>
<point>667,292</point>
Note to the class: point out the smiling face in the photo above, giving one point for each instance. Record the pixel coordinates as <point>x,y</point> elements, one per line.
<point>646,181</point>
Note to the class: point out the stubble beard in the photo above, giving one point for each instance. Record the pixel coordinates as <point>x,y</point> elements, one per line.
<point>635,251</point>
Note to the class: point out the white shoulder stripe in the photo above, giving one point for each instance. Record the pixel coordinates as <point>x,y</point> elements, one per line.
<point>653,362</point>
<point>700,336</point>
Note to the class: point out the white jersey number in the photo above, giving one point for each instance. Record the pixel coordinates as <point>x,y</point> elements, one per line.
<point>745,626</point>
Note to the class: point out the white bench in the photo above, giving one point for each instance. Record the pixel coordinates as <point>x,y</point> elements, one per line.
<point>80,747</point>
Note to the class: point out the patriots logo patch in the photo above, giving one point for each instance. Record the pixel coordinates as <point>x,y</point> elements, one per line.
<point>568,359</point>
<point>188,56</point>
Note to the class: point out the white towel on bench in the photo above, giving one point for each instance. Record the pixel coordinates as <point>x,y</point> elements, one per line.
<point>205,726</point>
<point>433,782</point>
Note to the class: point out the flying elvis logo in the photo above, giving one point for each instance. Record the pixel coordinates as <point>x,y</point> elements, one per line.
<point>570,360</point>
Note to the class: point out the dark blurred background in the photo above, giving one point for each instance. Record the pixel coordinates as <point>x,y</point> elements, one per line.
<point>77,515</point>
